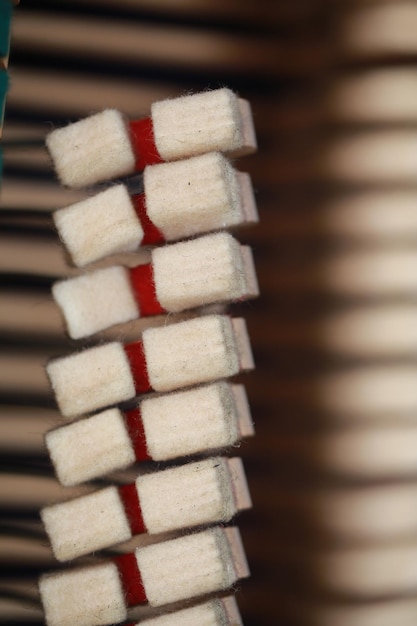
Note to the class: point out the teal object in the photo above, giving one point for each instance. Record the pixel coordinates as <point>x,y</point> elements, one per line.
<point>4,84</point>
<point>6,10</point>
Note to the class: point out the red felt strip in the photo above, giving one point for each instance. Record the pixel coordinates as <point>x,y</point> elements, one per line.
<point>143,143</point>
<point>143,287</point>
<point>131,579</point>
<point>135,354</point>
<point>130,498</point>
<point>151,233</point>
<point>134,425</point>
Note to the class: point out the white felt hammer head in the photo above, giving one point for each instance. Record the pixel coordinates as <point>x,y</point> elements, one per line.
<point>96,300</point>
<point>203,492</point>
<point>217,612</point>
<point>86,524</point>
<point>199,350</point>
<point>198,123</point>
<point>202,271</point>
<point>89,596</point>
<point>92,150</point>
<point>90,447</point>
<point>194,195</point>
<point>173,427</point>
<point>192,565</point>
<point>99,226</point>
<point>92,379</point>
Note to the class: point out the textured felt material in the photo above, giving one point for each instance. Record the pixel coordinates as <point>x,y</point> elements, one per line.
<point>99,147</point>
<point>191,352</point>
<point>134,427</point>
<point>213,268</point>
<point>92,150</point>
<point>172,570</point>
<point>221,612</point>
<point>130,500</point>
<point>90,447</point>
<point>212,120</point>
<point>91,379</point>
<point>189,495</point>
<point>99,226</point>
<point>196,351</point>
<point>203,492</point>
<point>174,428</point>
<point>186,567</point>
<point>143,143</point>
<point>136,356</point>
<point>96,300</point>
<point>192,196</point>
<point>89,596</point>
<point>182,198</point>
<point>131,579</point>
<point>143,288</point>
<point>100,444</point>
<point>202,271</point>
<point>86,524</point>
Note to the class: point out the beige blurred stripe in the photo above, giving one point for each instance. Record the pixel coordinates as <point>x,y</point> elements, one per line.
<point>384,157</point>
<point>374,390</point>
<point>367,331</point>
<point>29,313</point>
<point>176,46</point>
<point>381,96</point>
<point>378,28</point>
<point>378,217</point>
<point>390,271</point>
<point>383,449</point>
<point>369,572</point>
<point>78,95</point>
<point>387,330</point>
<point>36,196</point>
<point>369,514</point>
<point>23,373</point>
<point>48,257</point>
<point>349,273</point>
<point>22,429</point>
<point>33,256</point>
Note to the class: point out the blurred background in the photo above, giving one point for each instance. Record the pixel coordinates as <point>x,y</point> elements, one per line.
<point>332,537</point>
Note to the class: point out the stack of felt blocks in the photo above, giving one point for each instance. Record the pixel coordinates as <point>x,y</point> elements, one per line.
<point>166,397</point>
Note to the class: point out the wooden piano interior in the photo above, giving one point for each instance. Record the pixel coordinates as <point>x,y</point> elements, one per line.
<point>332,537</point>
